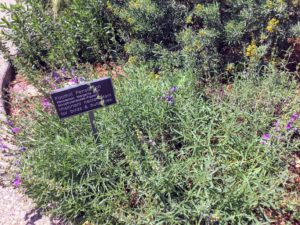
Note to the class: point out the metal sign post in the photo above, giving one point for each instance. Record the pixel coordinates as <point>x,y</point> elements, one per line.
<point>94,128</point>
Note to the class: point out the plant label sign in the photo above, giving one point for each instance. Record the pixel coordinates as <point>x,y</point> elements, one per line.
<point>83,97</point>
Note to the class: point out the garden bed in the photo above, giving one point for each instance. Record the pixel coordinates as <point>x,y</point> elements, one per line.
<point>179,155</point>
<point>206,125</point>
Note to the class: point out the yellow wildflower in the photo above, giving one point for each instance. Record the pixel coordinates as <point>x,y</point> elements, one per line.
<point>188,49</point>
<point>108,5</point>
<point>132,60</point>
<point>202,32</point>
<point>130,20</point>
<point>189,19</point>
<point>251,49</point>
<point>154,76</point>
<point>197,44</point>
<point>87,223</point>
<point>229,67</point>
<point>199,8</point>
<point>135,4</point>
<point>270,4</point>
<point>139,135</point>
<point>272,25</point>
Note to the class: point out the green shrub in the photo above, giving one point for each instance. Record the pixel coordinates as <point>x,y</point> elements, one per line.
<point>85,31</point>
<point>213,37</point>
<point>167,155</point>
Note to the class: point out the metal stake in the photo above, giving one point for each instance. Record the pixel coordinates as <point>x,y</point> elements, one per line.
<point>93,125</point>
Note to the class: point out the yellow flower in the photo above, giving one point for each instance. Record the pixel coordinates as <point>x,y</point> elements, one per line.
<point>270,4</point>
<point>87,223</point>
<point>131,20</point>
<point>251,49</point>
<point>229,67</point>
<point>139,135</point>
<point>272,25</point>
<point>188,49</point>
<point>197,45</point>
<point>189,19</point>
<point>135,4</point>
<point>154,76</point>
<point>108,5</point>
<point>202,32</point>
<point>132,60</point>
<point>199,8</point>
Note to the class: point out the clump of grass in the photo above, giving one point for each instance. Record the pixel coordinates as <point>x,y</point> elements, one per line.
<point>168,155</point>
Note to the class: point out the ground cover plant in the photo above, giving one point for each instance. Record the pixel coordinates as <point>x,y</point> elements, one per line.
<point>171,153</point>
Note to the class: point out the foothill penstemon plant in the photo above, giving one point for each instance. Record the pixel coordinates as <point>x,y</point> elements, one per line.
<point>163,138</point>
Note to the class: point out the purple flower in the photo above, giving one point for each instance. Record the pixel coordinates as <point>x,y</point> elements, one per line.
<point>294,117</point>
<point>23,148</point>
<point>170,99</point>
<point>17,162</point>
<point>81,79</point>
<point>3,146</point>
<point>173,89</point>
<point>73,81</point>
<point>46,103</point>
<point>265,138</point>
<point>64,71</point>
<point>16,130</point>
<point>289,125</point>
<point>56,76</point>
<point>276,124</point>
<point>17,180</point>
<point>10,123</point>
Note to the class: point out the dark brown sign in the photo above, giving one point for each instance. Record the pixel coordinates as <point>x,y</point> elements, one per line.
<point>83,97</point>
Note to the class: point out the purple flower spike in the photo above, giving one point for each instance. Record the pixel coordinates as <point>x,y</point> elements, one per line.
<point>56,76</point>
<point>294,117</point>
<point>64,71</point>
<point>23,148</point>
<point>10,123</point>
<point>276,124</point>
<point>16,130</point>
<point>81,79</point>
<point>173,89</point>
<point>3,146</point>
<point>46,103</point>
<point>266,136</point>
<point>278,137</point>
<point>170,99</point>
<point>17,181</point>
<point>264,142</point>
<point>73,81</point>
<point>289,125</point>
